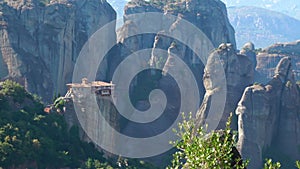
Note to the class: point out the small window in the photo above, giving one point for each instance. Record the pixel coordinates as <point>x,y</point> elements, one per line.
<point>105,92</point>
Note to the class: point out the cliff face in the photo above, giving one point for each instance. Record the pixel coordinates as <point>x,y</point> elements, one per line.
<point>40,40</point>
<point>81,111</point>
<point>209,16</point>
<point>269,57</point>
<point>268,118</point>
<point>224,81</point>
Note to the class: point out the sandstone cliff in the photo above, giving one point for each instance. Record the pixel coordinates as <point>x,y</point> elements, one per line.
<point>80,110</point>
<point>268,58</point>
<point>268,118</point>
<point>225,77</point>
<point>209,16</point>
<point>40,40</point>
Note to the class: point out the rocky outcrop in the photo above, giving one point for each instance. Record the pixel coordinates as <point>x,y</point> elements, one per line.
<point>268,118</point>
<point>249,51</point>
<point>226,76</point>
<point>208,16</point>
<point>268,58</point>
<point>40,40</point>
<point>85,109</point>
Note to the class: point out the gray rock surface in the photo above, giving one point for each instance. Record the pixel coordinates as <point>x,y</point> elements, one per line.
<point>269,57</point>
<point>249,51</point>
<point>225,77</point>
<point>40,40</point>
<point>268,118</point>
<point>80,111</point>
<point>210,16</point>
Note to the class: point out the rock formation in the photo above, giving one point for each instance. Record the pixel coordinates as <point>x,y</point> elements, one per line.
<point>249,50</point>
<point>208,16</point>
<point>225,77</point>
<point>268,58</point>
<point>40,40</point>
<point>268,118</point>
<point>89,109</point>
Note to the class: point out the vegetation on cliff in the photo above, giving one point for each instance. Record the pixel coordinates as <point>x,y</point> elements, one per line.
<point>201,150</point>
<point>166,5</point>
<point>197,149</point>
<point>30,138</point>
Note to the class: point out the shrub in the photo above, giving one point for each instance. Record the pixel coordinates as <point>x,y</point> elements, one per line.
<point>201,150</point>
<point>298,164</point>
<point>270,165</point>
<point>13,89</point>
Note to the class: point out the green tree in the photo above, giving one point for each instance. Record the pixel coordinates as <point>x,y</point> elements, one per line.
<point>33,139</point>
<point>12,89</point>
<point>197,149</point>
<point>270,165</point>
<point>298,164</point>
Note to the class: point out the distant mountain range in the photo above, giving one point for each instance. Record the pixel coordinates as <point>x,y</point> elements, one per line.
<point>288,7</point>
<point>262,27</point>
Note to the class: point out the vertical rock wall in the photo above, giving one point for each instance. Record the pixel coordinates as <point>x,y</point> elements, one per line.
<point>268,118</point>
<point>225,77</point>
<point>40,41</point>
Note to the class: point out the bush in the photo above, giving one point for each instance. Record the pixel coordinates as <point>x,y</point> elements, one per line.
<point>14,90</point>
<point>59,103</point>
<point>30,138</point>
<point>298,164</point>
<point>95,164</point>
<point>201,150</point>
<point>270,165</point>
